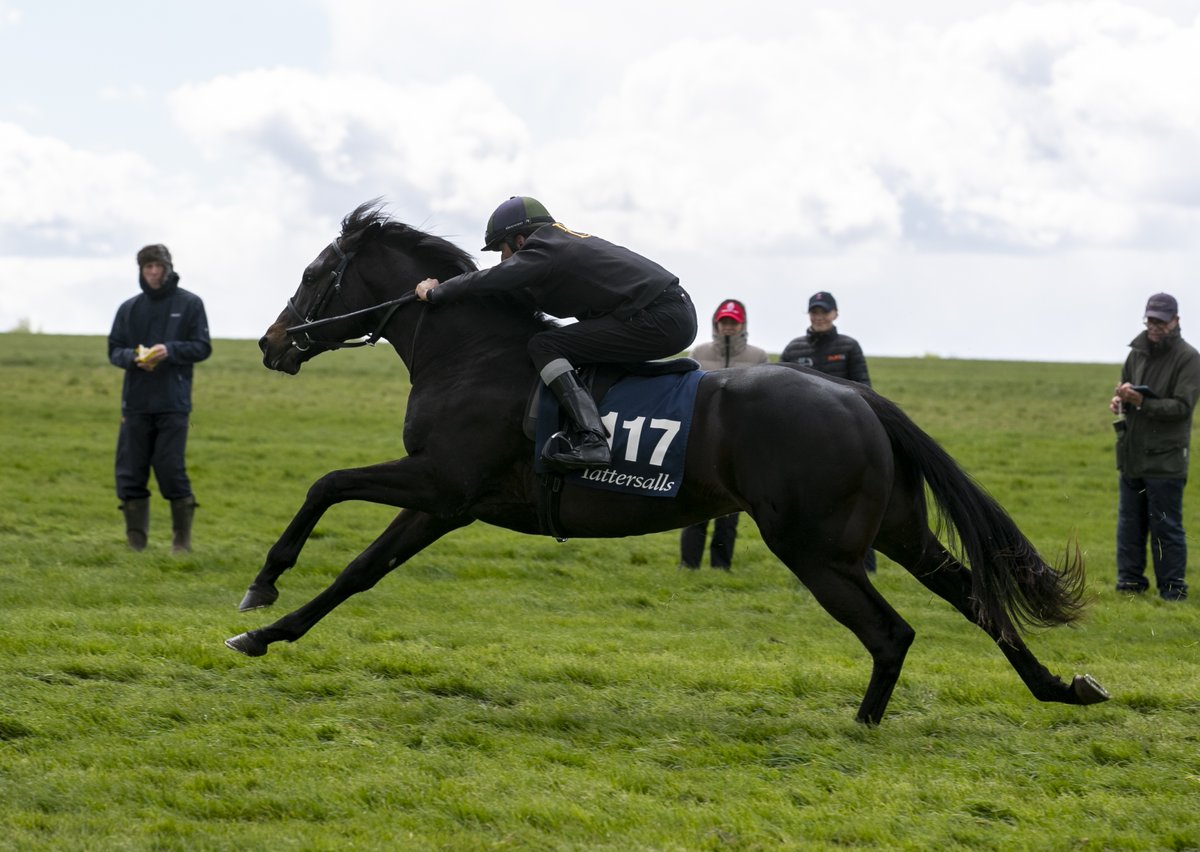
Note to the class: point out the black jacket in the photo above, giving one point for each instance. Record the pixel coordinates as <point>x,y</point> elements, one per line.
<point>832,353</point>
<point>171,316</point>
<point>1154,443</point>
<point>567,274</point>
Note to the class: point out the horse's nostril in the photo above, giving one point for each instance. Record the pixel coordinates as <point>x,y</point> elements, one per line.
<point>262,344</point>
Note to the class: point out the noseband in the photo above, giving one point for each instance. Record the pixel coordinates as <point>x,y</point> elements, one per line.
<point>334,286</point>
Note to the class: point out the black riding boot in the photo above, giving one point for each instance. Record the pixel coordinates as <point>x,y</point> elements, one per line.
<point>137,522</point>
<point>182,510</point>
<point>583,445</point>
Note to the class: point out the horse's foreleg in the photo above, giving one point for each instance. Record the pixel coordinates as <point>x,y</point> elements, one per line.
<point>946,577</point>
<point>394,483</point>
<point>406,536</point>
<point>283,555</point>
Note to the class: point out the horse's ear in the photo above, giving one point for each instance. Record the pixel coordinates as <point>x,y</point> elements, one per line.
<point>368,233</point>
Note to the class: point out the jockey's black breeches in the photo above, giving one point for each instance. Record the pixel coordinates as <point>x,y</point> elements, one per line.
<point>665,327</point>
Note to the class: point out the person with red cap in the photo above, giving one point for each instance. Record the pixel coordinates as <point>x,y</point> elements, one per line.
<point>729,348</point>
<point>1154,403</point>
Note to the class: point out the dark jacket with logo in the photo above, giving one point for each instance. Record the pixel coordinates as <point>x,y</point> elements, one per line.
<point>171,316</point>
<point>832,353</point>
<point>1155,441</point>
<point>567,274</point>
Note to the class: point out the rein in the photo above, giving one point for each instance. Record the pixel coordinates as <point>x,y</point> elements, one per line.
<point>310,322</point>
<point>369,340</point>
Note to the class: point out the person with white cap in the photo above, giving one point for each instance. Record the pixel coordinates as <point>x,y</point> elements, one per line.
<point>1154,403</point>
<point>728,349</point>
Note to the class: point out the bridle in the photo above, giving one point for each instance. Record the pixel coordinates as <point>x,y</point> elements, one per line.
<point>334,287</point>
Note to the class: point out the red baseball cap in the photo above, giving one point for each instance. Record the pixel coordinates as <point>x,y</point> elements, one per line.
<point>732,309</point>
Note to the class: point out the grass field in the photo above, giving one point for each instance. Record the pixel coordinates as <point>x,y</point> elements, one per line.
<point>503,691</point>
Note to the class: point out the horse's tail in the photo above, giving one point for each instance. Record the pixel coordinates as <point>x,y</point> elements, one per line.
<point>1011,584</point>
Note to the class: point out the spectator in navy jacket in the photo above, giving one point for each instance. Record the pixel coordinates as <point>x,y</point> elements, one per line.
<point>156,338</point>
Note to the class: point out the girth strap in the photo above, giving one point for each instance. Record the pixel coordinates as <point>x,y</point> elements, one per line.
<point>549,498</point>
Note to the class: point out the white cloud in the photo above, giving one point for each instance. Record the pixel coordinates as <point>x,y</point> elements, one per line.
<point>71,223</point>
<point>449,144</point>
<point>58,199</point>
<point>1035,128</point>
<point>133,94</point>
<point>969,157</point>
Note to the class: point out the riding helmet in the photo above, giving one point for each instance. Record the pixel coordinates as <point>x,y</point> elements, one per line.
<point>516,214</point>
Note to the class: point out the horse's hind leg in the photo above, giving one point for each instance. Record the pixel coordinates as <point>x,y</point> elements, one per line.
<point>946,577</point>
<point>842,588</point>
<point>406,536</point>
<point>846,594</point>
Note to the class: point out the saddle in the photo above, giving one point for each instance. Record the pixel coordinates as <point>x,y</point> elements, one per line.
<point>599,378</point>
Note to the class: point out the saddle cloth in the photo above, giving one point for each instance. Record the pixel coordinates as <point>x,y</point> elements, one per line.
<point>648,419</point>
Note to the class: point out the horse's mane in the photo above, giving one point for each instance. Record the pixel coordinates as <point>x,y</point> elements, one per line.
<point>406,237</point>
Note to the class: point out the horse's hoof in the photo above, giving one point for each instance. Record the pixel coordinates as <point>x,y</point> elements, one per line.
<point>258,597</point>
<point>1088,691</point>
<point>244,643</point>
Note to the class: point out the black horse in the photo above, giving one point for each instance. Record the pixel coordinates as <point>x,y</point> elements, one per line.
<point>827,469</point>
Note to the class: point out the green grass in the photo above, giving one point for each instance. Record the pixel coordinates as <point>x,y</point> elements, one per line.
<point>502,691</point>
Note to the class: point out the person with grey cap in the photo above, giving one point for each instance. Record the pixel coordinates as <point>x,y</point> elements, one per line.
<point>628,309</point>
<point>1154,403</point>
<point>156,337</point>
<point>825,349</point>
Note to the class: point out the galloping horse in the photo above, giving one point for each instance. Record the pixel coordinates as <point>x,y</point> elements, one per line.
<point>827,469</point>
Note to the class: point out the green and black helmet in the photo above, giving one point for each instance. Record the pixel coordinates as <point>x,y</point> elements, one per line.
<point>519,213</point>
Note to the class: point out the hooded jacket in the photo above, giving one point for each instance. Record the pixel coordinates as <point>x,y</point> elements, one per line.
<point>831,353</point>
<point>1156,438</point>
<point>169,315</point>
<point>726,352</point>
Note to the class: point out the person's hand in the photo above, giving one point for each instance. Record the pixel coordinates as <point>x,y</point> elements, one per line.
<point>1115,405</point>
<point>424,287</point>
<point>1126,393</point>
<point>152,357</point>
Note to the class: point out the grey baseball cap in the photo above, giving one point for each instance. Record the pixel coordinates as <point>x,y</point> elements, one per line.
<point>1162,306</point>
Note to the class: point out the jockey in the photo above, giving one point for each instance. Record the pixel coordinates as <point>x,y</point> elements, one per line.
<point>628,309</point>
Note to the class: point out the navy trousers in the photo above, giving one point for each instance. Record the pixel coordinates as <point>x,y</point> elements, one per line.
<point>155,441</point>
<point>691,542</point>
<point>1151,509</point>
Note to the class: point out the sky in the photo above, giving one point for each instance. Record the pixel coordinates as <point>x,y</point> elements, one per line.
<point>969,178</point>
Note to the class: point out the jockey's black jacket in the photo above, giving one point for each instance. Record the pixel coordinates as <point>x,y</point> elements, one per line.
<point>567,274</point>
